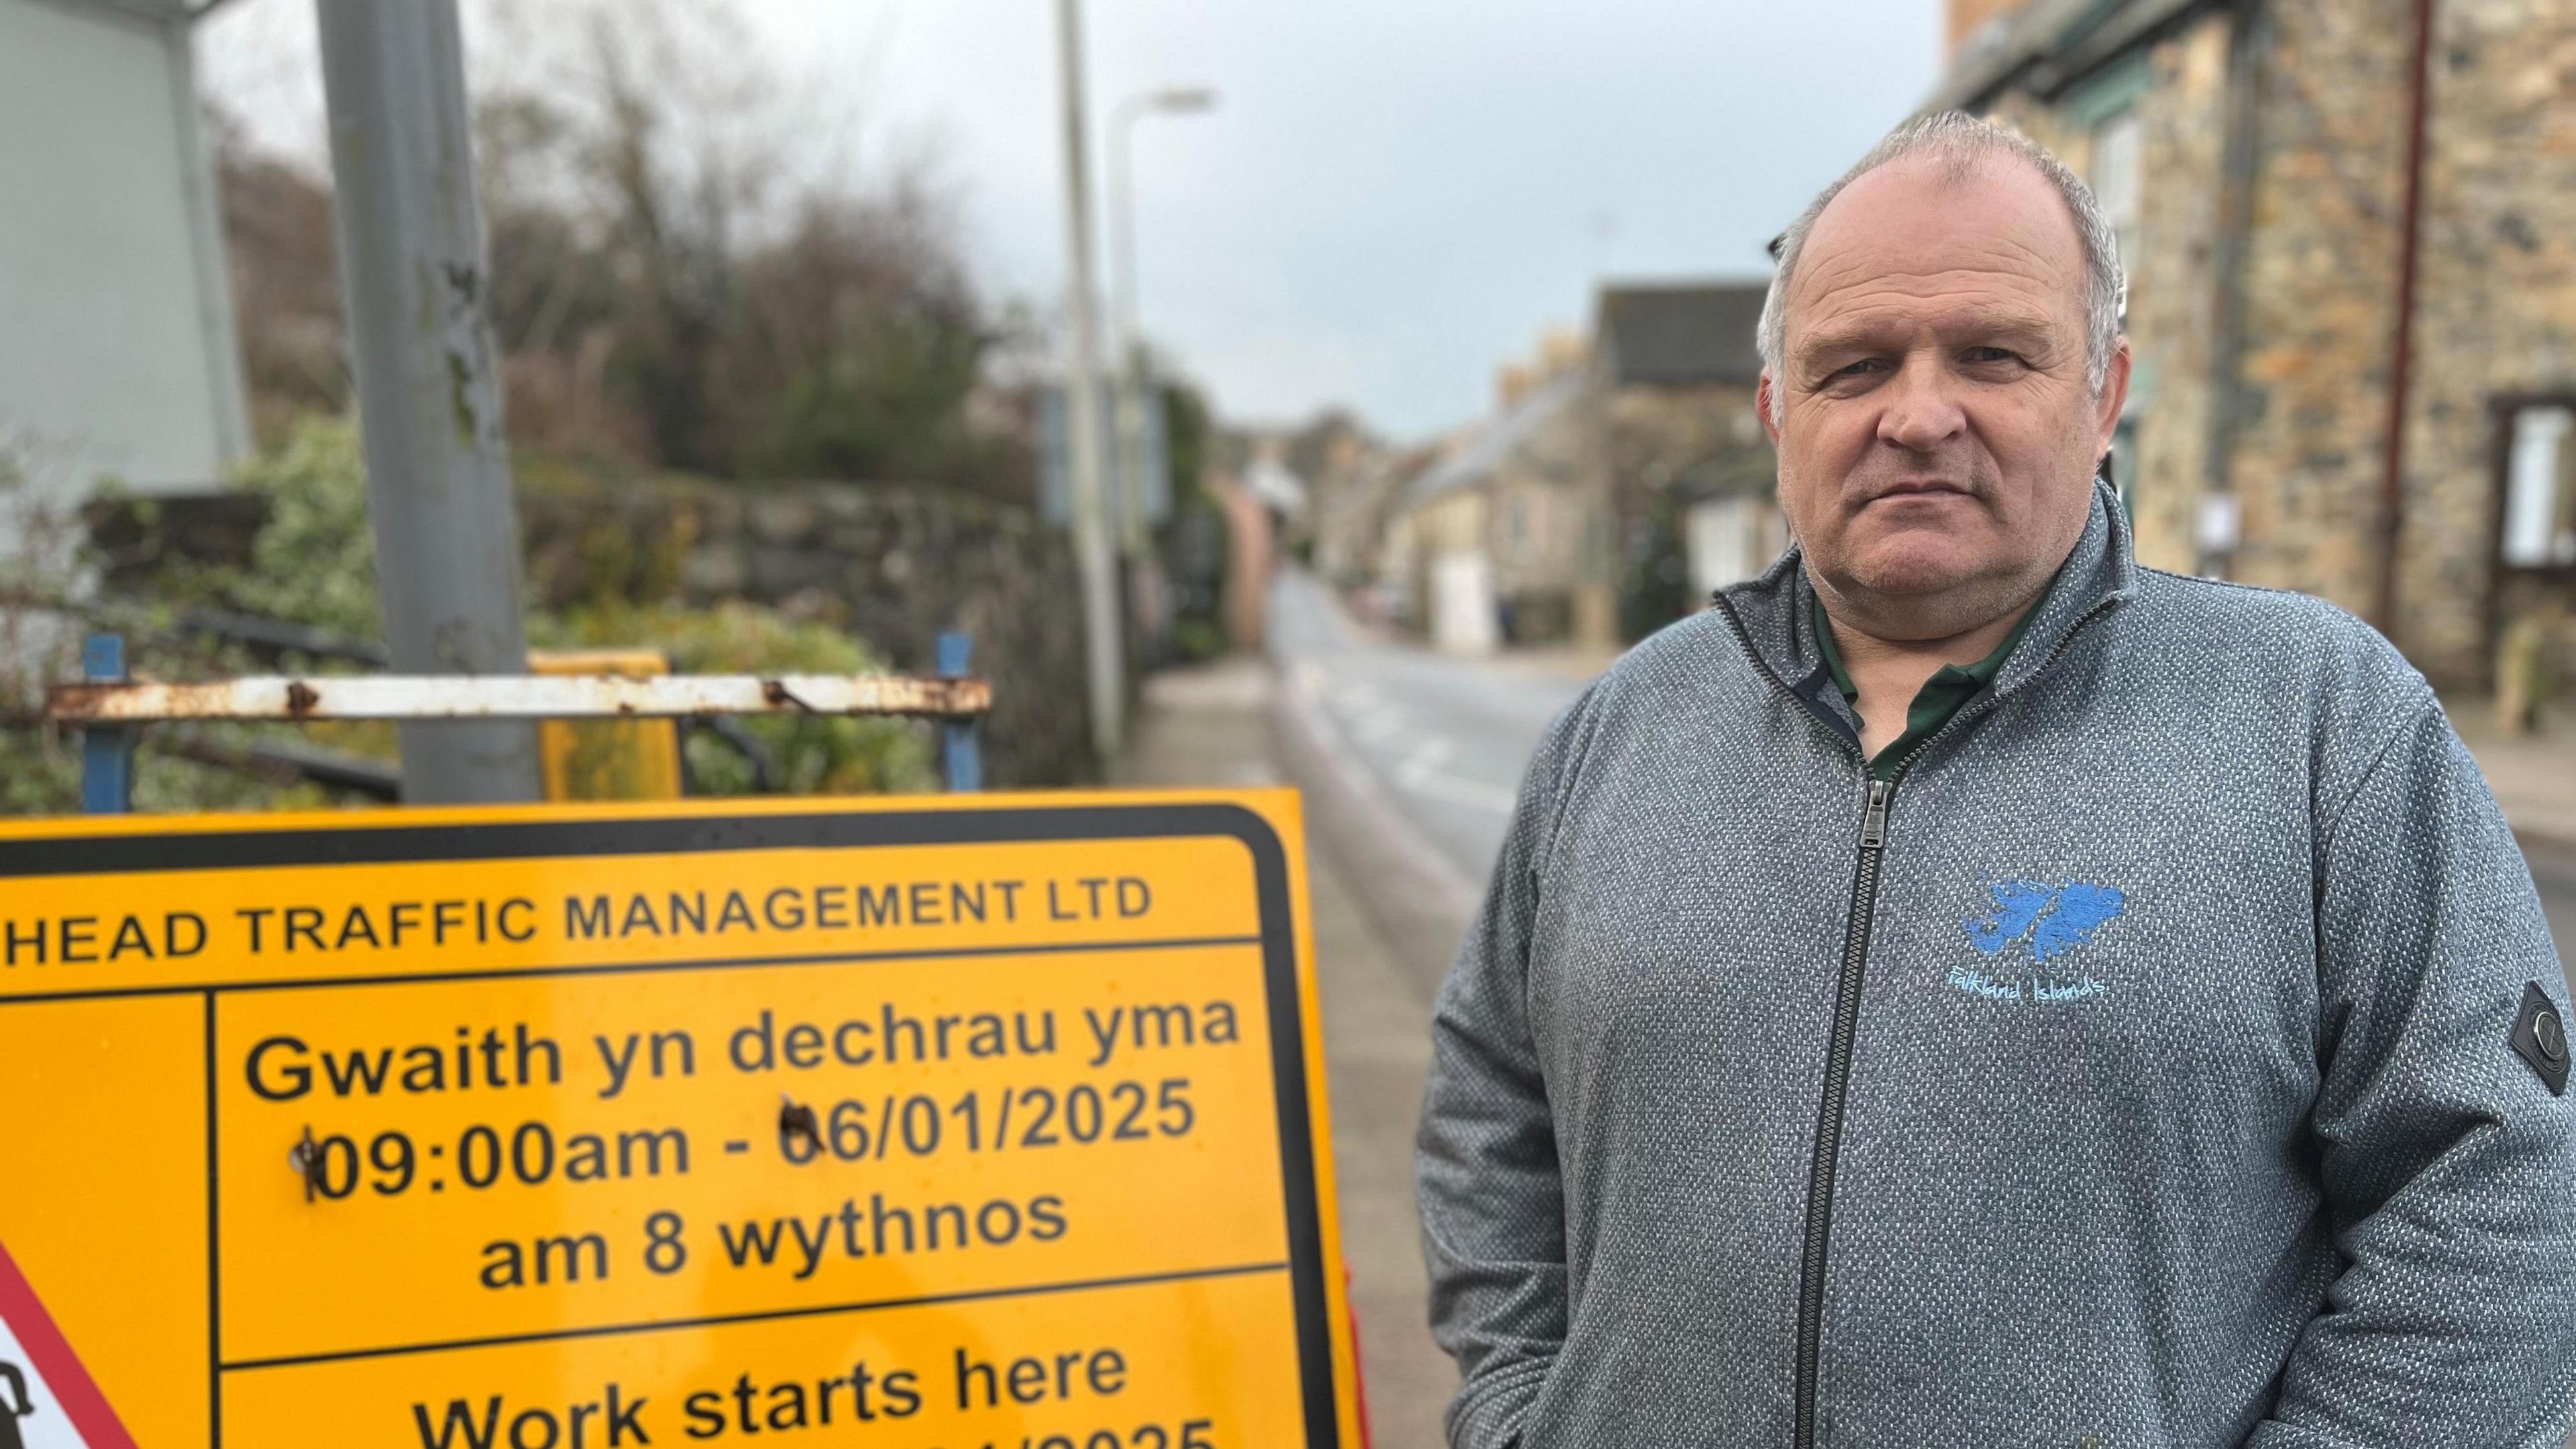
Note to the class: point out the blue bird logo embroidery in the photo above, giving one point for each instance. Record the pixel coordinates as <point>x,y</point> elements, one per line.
<point>2046,921</point>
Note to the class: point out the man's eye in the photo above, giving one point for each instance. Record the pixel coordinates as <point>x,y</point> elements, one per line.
<point>1991,354</point>
<point>1861,368</point>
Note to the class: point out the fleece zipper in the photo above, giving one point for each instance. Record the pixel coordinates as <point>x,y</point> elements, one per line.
<point>1829,1118</point>
<point>1855,959</point>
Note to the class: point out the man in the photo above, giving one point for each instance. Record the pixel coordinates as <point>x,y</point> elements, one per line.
<point>1967,989</point>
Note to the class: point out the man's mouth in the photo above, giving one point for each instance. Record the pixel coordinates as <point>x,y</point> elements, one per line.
<point>1920,488</point>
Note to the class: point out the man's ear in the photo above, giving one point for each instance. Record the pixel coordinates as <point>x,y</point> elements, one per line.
<point>2115,395</point>
<point>1766,400</point>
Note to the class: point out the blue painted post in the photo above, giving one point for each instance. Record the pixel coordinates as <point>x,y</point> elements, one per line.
<point>961,742</point>
<point>107,753</point>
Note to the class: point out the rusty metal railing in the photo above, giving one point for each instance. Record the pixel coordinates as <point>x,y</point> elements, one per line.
<point>108,708</point>
<point>511,696</point>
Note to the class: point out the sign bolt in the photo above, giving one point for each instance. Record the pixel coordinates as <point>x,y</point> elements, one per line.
<point>795,1118</point>
<point>306,1158</point>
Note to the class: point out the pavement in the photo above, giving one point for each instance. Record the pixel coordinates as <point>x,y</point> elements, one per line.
<point>1217,725</point>
<point>1409,762</point>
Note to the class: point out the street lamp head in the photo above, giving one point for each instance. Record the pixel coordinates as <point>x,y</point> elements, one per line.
<point>1184,99</point>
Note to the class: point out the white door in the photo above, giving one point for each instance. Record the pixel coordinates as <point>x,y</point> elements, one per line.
<point>1463,619</point>
<point>1720,541</point>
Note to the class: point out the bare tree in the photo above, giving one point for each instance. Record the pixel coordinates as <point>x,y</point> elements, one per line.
<point>690,267</point>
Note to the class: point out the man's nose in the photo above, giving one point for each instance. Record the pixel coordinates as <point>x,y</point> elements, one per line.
<point>1922,410</point>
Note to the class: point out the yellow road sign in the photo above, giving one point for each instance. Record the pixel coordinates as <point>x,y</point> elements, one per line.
<point>607,759</point>
<point>936,1123</point>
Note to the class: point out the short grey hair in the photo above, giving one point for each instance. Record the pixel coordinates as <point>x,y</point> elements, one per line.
<point>1957,142</point>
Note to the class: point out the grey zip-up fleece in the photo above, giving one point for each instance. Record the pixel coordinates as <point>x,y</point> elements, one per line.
<point>2137,1069</point>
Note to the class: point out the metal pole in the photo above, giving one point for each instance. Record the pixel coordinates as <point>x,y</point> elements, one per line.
<point>961,746</point>
<point>1126,353</point>
<point>107,752</point>
<point>412,276</point>
<point>2401,343</point>
<point>1107,673</point>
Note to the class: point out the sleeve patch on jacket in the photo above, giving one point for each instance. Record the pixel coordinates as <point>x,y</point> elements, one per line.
<point>2540,1038</point>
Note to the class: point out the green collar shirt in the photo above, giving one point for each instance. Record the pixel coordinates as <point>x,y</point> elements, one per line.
<point>1943,695</point>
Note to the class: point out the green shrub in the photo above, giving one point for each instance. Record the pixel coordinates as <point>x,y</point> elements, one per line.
<point>314,563</point>
<point>815,754</point>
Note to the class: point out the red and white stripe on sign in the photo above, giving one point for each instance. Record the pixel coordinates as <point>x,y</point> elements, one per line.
<point>47,1400</point>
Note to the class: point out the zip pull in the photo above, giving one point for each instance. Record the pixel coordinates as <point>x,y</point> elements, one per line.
<point>1873,824</point>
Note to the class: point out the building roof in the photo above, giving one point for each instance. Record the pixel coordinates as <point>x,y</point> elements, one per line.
<point>1673,335</point>
<point>1497,441</point>
<point>138,14</point>
<point>2048,45</point>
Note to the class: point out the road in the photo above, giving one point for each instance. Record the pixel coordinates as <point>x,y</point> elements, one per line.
<point>1440,742</point>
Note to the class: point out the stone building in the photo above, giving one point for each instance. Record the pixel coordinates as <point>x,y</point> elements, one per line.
<point>1354,508</point>
<point>1492,538</point>
<point>2349,228</point>
<point>1679,455</point>
<point>1618,481</point>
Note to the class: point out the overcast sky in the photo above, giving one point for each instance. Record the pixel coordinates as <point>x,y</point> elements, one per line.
<point>1394,197</point>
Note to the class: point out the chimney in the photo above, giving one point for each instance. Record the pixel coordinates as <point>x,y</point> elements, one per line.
<point>1971,21</point>
<point>1560,350</point>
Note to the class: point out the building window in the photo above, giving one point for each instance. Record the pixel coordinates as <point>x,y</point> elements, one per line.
<point>2214,533</point>
<point>2540,487</point>
<point>1517,528</point>
<point>2115,181</point>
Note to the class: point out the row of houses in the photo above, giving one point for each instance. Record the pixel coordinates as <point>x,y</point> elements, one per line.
<point>2349,228</point>
<point>1622,474</point>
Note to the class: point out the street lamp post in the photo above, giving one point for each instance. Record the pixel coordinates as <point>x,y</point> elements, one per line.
<point>1129,359</point>
<point>1106,675</point>
<point>413,279</point>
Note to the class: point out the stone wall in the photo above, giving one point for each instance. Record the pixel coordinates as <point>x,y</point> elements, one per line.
<point>2320,297</point>
<point>1701,439</point>
<point>2173,321</point>
<point>2170,261</point>
<point>895,566</point>
<point>2497,310</point>
<point>2302,450</point>
<point>1660,449</point>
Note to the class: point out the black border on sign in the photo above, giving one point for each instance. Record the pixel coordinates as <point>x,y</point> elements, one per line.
<point>370,844</point>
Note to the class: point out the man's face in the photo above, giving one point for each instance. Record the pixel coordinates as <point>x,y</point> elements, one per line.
<point>1937,439</point>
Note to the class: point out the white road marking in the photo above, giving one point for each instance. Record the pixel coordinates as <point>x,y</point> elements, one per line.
<point>1381,725</point>
<point>1305,705</point>
<point>1427,757</point>
<point>1457,790</point>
